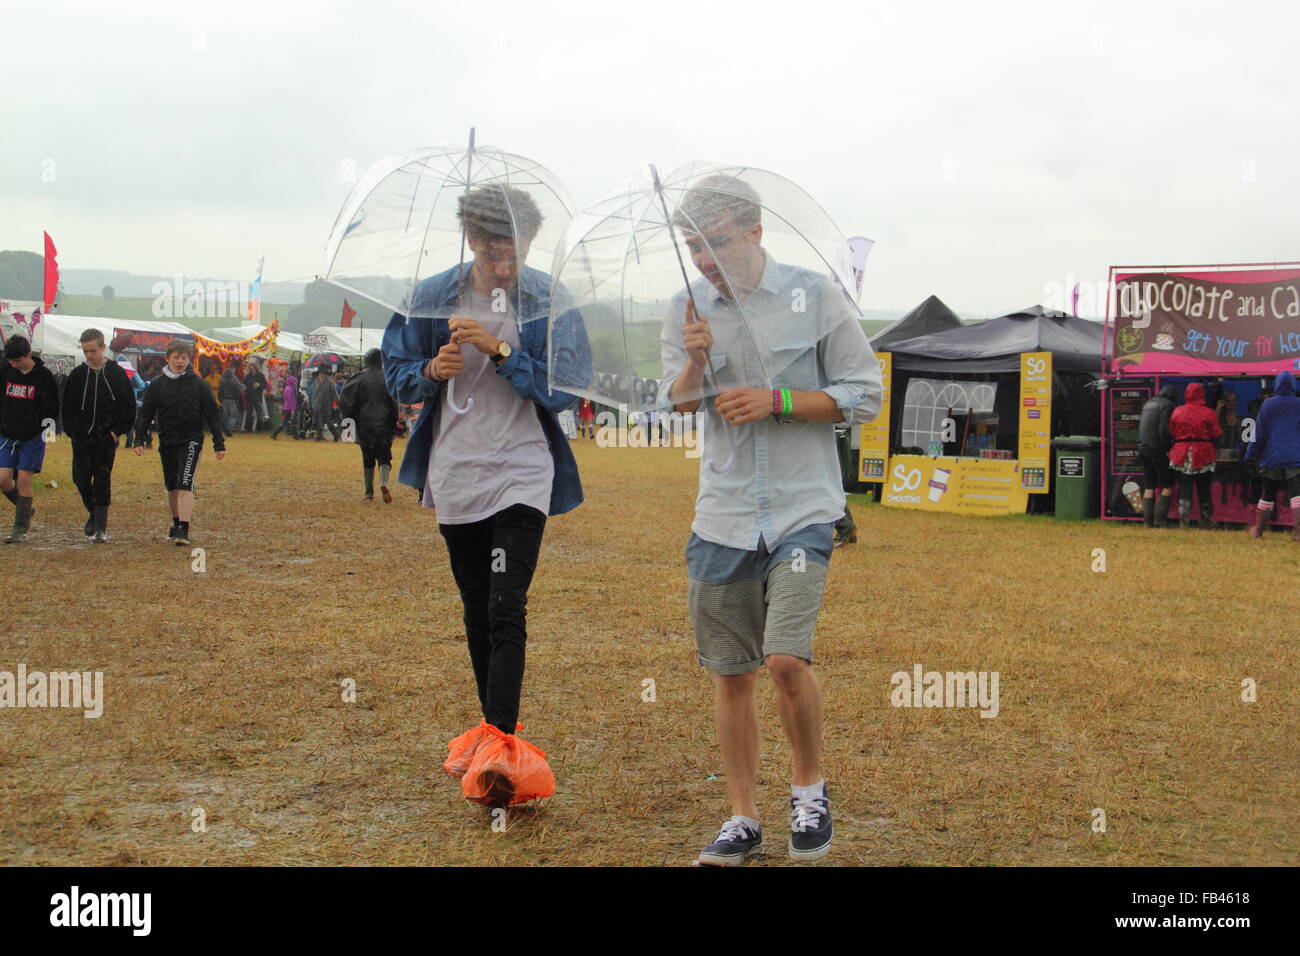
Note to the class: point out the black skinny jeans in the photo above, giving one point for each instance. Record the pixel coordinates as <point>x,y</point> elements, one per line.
<point>92,469</point>
<point>494,592</point>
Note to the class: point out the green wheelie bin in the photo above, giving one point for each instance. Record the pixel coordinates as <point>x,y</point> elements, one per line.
<point>1077,474</point>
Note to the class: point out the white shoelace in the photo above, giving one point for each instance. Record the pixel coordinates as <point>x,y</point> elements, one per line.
<point>806,814</point>
<point>735,830</point>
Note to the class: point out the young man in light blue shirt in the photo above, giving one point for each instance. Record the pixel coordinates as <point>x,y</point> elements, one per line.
<point>761,541</point>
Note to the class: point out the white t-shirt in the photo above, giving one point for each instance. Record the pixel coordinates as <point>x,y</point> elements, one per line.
<point>495,455</point>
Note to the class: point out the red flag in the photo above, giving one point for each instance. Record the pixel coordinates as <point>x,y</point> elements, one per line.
<point>51,272</point>
<point>348,313</point>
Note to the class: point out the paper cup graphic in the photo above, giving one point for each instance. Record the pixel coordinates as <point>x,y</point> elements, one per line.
<point>1133,492</point>
<point>939,483</point>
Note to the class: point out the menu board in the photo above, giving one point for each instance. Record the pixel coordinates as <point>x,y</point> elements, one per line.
<point>873,454</point>
<point>1035,420</point>
<point>1125,415</point>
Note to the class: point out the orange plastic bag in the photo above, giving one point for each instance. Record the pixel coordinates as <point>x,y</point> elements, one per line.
<point>507,770</point>
<point>461,750</point>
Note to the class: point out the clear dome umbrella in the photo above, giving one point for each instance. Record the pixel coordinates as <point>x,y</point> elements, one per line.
<point>746,249</point>
<point>400,225</point>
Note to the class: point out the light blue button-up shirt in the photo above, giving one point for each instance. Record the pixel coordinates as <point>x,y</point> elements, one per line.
<point>784,476</point>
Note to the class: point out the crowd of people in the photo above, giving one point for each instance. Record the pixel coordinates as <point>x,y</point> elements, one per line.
<point>100,401</point>
<point>1182,445</point>
<point>305,400</point>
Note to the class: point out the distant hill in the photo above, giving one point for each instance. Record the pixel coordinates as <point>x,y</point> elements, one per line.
<point>22,275</point>
<point>135,308</point>
<point>131,285</point>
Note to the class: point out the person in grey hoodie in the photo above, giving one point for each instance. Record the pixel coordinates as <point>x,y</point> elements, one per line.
<point>230,392</point>
<point>98,408</point>
<point>1153,451</point>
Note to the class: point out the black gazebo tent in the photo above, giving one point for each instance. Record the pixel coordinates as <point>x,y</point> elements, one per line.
<point>990,351</point>
<point>929,317</point>
<point>995,345</point>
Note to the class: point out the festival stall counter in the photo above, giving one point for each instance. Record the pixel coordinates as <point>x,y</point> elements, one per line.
<point>981,479</point>
<point>1231,328</point>
<point>971,429</point>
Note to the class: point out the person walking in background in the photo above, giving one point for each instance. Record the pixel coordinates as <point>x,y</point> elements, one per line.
<point>229,394</point>
<point>288,408</point>
<point>183,405</point>
<point>1276,450</point>
<point>1194,428</point>
<point>29,399</point>
<point>98,408</point>
<point>255,386</point>
<point>1153,452</point>
<point>211,373</point>
<point>138,386</point>
<point>365,400</point>
<point>586,419</point>
<point>323,399</point>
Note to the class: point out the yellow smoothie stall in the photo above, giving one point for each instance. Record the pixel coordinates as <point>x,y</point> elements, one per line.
<point>969,413</point>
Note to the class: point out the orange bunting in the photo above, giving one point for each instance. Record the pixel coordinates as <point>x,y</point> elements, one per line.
<point>263,341</point>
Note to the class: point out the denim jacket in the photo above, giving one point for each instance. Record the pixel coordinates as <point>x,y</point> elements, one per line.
<point>409,344</point>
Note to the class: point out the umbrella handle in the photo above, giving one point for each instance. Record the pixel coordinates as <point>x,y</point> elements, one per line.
<point>731,458</point>
<point>451,399</point>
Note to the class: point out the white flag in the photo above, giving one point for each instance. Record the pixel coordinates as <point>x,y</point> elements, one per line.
<point>859,249</point>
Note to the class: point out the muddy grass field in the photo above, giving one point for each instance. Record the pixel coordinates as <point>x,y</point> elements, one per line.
<point>1119,691</point>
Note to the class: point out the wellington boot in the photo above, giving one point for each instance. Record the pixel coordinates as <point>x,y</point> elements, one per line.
<point>1162,510</point>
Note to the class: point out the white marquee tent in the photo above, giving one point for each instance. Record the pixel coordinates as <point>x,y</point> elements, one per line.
<point>350,341</point>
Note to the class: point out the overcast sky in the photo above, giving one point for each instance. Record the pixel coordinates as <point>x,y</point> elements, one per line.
<point>990,149</point>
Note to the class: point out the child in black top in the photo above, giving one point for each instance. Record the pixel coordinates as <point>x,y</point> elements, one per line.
<point>183,405</point>
<point>29,404</point>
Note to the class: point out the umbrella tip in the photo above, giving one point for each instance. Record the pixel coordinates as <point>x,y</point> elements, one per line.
<point>654,175</point>
<point>471,138</point>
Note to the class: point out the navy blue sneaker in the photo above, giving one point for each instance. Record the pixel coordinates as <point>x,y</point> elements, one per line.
<point>736,841</point>
<point>810,827</point>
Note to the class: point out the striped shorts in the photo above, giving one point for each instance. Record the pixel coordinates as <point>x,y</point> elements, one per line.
<point>746,605</point>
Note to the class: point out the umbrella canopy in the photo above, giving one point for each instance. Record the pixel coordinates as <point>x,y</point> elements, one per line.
<point>746,249</point>
<point>324,358</point>
<point>403,223</point>
<point>404,234</point>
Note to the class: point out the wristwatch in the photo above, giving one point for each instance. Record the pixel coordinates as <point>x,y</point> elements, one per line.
<point>503,353</point>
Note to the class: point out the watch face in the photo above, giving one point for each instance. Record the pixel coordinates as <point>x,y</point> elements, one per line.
<point>505,350</point>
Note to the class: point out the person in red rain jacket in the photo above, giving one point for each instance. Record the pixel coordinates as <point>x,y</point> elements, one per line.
<point>1194,428</point>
